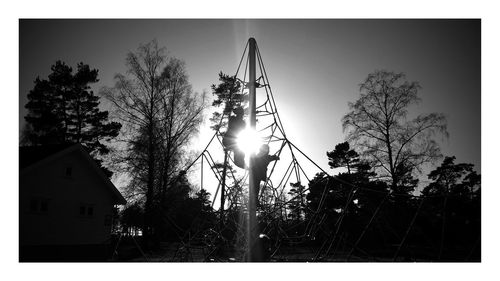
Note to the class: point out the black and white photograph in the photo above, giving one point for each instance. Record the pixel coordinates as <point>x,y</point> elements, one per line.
<point>257,141</point>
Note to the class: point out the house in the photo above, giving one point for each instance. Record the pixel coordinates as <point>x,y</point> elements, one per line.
<point>66,205</point>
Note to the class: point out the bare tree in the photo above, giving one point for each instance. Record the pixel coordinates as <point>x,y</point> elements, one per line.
<point>378,125</point>
<point>161,113</point>
<point>182,116</point>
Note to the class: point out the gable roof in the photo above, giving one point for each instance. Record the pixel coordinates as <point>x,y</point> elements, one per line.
<point>31,157</point>
<point>31,154</point>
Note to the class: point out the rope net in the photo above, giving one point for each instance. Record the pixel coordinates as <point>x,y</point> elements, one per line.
<point>294,229</point>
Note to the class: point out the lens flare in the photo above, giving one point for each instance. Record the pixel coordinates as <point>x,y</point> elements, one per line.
<point>249,141</point>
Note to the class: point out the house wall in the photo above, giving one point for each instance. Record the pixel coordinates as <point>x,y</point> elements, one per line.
<point>62,223</point>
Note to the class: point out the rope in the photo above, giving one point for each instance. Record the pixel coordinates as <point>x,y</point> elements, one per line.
<point>408,230</point>
<point>367,226</point>
<point>277,203</point>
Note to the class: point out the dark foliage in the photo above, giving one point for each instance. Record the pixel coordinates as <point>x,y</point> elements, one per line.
<point>362,216</point>
<point>229,95</point>
<point>63,109</point>
<point>342,156</point>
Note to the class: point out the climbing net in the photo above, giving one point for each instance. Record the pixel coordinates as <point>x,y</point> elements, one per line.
<point>274,199</point>
<point>280,210</point>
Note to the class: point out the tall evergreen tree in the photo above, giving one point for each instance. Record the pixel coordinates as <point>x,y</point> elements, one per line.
<point>297,201</point>
<point>342,156</point>
<point>228,94</point>
<point>452,216</point>
<point>64,109</point>
<point>458,179</point>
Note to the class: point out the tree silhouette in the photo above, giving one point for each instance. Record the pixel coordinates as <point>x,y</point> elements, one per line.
<point>183,114</point>
<point>453,215</point>
<point>342,156</point>
<point>136,101</point>
<point>378,126</point>
<point>161,113</point>
<point>459,179</point>
<point>228,95</point>
<point>297,202</point>
<point>45,124</point>
<point>203,197</point>
<point>132,218</point>
<point>64,109</point>
<point>406,181</point>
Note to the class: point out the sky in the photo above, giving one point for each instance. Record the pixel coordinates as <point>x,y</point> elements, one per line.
<point>314,66</point>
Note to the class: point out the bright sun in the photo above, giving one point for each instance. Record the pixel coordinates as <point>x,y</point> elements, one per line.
<point>249,141</point>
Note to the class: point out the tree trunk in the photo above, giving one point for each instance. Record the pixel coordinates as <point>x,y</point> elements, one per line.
<point>148,214</point>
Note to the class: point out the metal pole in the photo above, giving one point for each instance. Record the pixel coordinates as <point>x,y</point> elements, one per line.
<point>253,251</point>
<point>223,189</point>
<point>201,173</point>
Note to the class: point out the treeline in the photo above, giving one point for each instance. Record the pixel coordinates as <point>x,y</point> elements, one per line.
<point>357,216</point>
<point>143,136</point>
<point>375,206</point>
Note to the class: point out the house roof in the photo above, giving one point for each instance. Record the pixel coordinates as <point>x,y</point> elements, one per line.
<point>31,157</point>
<point>31,154</point>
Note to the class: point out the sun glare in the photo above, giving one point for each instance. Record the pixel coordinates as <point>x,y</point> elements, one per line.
<point>249,141</point>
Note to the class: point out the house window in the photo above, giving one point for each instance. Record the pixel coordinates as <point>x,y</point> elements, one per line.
<point>44,206</point>
<point>86,210</point>
<point>39,206</point>
<point>90,211</point>
<point>68,171</point>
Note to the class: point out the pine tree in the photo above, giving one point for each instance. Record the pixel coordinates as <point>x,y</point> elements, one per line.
<point>63,109</point>
<point>228,94</point>
<point>342,156</point>
<point>45,119</point>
